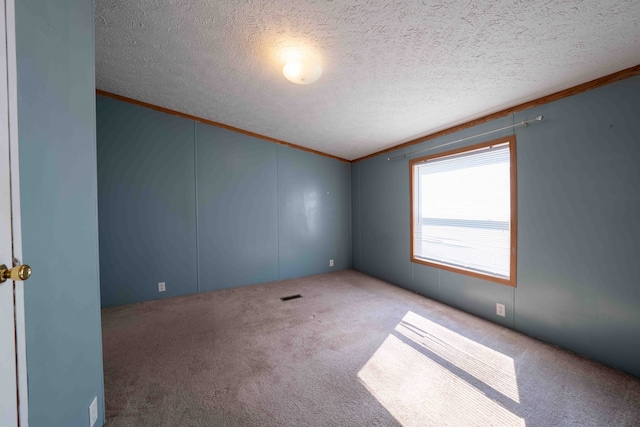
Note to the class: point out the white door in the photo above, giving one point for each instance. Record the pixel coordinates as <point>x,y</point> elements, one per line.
<point>8,364</point>
<point>13,396</point>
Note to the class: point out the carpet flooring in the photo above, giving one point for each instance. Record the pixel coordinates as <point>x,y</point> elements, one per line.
<point>352,351</point>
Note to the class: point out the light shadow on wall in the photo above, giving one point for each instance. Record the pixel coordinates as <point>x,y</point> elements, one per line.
<point>426,374</point>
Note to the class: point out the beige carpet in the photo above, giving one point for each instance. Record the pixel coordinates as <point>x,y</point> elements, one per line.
<point>353,351</point>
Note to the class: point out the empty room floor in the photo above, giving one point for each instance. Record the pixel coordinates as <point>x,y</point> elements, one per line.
<point>351,351</point>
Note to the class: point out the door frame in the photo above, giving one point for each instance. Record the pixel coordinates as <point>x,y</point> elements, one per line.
<point>12,86</point>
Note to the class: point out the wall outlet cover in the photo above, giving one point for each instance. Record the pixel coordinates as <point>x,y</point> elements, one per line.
<point>161,287</point>
<point>330,263</point>
<point>500,310</point>
<point>93,412</point>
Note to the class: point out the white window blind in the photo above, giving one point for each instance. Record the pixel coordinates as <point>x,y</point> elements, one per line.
<point>462,210</point>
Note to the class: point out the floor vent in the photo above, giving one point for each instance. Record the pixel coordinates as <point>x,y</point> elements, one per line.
<point>291,297</point>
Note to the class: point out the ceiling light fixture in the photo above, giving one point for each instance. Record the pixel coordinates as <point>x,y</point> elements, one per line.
<point>302,71</point>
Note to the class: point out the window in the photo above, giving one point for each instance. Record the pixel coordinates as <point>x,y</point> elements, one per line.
<point>463,215</point>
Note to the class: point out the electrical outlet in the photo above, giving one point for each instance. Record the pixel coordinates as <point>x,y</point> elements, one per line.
<point>93,412</point>
<point>330,263</point>
<point>500,309</point>
<point>161,287</point>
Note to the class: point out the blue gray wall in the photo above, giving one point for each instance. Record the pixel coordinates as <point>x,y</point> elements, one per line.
<point>146,183</point>
<point>203,208</point>
<point>578,209</point>
<point>58,190</point>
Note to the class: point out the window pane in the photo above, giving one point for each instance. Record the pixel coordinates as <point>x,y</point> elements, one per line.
<point>464,208</point>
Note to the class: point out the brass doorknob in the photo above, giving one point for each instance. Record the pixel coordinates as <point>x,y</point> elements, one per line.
<point>21,272</point>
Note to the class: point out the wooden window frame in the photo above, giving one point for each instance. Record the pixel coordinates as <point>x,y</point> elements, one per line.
<point>511,281</point>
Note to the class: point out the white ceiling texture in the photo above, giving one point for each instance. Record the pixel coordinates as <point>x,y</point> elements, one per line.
<point>393,70</point>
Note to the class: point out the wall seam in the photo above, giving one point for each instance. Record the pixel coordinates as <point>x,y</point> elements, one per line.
<point>195,176</point>
<point>278,205</point>
<point>359,219</point>
<point>413,278</point>
<point>350,252</point>
<point>513,308</point>
<point>513,290</point>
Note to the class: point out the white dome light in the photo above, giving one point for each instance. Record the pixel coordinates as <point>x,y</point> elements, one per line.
<point>302,71</point>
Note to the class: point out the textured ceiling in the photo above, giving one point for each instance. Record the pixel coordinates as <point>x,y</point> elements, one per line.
<point>392,70</point>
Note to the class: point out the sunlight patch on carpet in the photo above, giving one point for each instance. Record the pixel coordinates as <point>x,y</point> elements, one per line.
<point>418,390</point>
<point>487,365</point>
